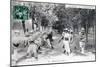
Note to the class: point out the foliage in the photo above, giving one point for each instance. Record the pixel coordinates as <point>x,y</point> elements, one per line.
<point>20,12</point>
<point>74,17</point>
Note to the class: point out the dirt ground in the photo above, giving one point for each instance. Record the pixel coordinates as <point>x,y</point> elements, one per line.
<point>56,55</point>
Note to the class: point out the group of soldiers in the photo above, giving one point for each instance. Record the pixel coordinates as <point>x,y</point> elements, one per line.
<point>68,39</point>
<point>34,46</point>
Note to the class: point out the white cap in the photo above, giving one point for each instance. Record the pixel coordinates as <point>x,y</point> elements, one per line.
<point>82,29</point>
<point>71,30</point>
<point>66,29</point>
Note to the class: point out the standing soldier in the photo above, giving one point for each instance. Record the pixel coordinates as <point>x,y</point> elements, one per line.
<point>82,40</point>
<point>32,49</point>
<point>66,41</point>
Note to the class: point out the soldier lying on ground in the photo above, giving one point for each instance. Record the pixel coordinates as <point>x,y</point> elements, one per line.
<point>31,51</point>
<point>17,48</point>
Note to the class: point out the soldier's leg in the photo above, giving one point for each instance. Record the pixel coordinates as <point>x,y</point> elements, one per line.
<point>65,47</point>
<point>35,48</point>
<point>68,49</point>
<point>82,47</point>
<point>35,55</point>
<point>49,44</point>
<point>14,56</point>
<point>29,50</point>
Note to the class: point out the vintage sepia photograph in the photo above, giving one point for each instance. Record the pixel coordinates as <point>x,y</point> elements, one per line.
<point>51,33</point>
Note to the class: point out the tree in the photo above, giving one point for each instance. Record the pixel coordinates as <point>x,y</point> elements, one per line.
<point>21,13</point>
<point>66,16</point>
<point>88,17</point>
<point>40,10</point>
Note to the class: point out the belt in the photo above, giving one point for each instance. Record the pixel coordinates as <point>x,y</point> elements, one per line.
<point>66,39</point>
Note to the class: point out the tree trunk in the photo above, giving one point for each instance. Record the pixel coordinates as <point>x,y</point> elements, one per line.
<point>32,24</point>
<point>86,32</point>
<point>23,25</point>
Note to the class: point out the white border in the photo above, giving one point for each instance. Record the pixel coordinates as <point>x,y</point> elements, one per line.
<point>5,33</point>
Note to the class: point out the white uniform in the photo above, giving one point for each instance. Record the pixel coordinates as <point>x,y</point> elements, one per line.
<point>82,42</point>
<point>66,41</point>
<point>32,49</point>
<point>82,45</point>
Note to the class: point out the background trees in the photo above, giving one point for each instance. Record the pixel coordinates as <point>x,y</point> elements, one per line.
<point>59,16</point>
<point>41,13</point>
<point>74,18</point>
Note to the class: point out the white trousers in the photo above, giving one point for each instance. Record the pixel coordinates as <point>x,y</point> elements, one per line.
<point>82,46</point>
<point>49,44</point>
<point>67,46</point>
<point>32,49</point>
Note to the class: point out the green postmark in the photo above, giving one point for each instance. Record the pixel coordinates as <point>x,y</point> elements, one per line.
<point>20,12</point>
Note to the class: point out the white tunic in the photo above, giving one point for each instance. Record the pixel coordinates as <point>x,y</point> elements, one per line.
<point>66,41</point>
<point>32,49</point>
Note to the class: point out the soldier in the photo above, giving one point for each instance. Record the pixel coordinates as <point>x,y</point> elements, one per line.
<point>15,52</point>
<point>82,45</point>
<point>71,39</point>
<point>82,40</point>
<point>66,41</point>
<point>32,49</point>
<point>50,40</point>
